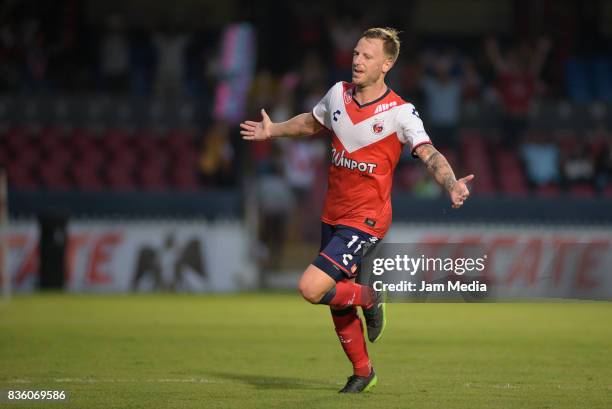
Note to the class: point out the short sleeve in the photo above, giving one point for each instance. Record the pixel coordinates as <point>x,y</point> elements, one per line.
<point>410,127</point>
<point>322,109</point>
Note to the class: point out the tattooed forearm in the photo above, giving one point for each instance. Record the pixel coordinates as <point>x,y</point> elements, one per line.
<point>449,181</point>
<point>432,162</point>
<point>438,166</point>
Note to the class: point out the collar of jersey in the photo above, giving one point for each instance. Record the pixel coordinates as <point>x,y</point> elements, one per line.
<point>383,96</point>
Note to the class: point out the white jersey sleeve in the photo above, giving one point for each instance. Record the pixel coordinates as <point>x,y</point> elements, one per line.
<point>410,127</point>
<point>322,111</point>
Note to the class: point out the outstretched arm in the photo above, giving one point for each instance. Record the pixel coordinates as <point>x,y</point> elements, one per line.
<point>300,125</point>
<point>494,55</point>
<point>541,53</point>
<point>438,167</point>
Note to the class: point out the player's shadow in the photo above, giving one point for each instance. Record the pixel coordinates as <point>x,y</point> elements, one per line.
<point>274,382</point>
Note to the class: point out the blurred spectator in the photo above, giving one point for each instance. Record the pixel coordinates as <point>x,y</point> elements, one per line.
<point>284,106</point>
<point>211,69</point>
<point>541,159</point>
<point>472,82</point>
<point>603,167</point>
<point>409,82</point>
<point>517,73</point>
<point>312,97</point>
<point>263,92</point>
<point>312,72</point>
<point>217,156</point>
<point>115,56</point>
<point>238,51</point>
<point>302,159</point>
<point>36,59</point>
<point>310,27</point>
<point>577,166</point>
<point>170,46</point>
<point>51,47</point>
<point>344,34</point>
<point>262,95</point>
<point>442,99</point>
<point>424,186</point>
<point>275,204</point>
<point>411,176</point>
<point>9,69</point>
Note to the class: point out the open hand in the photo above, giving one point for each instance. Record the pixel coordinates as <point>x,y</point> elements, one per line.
<point>257,131</point>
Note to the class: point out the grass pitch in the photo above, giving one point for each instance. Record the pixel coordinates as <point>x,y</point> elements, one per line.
<point>276,351</point>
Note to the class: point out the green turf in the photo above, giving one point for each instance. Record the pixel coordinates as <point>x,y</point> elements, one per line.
<point>276,351</point>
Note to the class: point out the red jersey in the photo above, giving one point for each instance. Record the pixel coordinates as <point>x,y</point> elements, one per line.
<point>517,91</point>
<point>367,142</point>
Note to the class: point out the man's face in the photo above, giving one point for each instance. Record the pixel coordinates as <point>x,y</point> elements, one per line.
<point>369,61</point>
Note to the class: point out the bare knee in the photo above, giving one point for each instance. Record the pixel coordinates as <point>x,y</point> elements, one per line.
<point>310,292</point>
<point>314,284</point>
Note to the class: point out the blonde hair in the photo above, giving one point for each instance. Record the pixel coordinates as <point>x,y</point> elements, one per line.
<point>389,37</point>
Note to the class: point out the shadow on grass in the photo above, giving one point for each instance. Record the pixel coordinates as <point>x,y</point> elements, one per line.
<point>275,382</point>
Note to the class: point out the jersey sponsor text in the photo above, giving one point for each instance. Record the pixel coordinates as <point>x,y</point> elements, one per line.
<point>338,159</point>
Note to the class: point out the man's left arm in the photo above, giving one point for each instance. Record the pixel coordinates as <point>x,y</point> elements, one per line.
<point>439,168</point>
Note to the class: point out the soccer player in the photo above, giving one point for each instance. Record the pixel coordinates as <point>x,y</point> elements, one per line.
<point>370,125</point>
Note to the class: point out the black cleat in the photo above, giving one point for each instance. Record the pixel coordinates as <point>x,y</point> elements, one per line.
<point>358,384</point>
<point>376,317</point>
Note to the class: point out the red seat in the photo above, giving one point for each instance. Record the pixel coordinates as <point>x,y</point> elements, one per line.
<point>476,161</point>
<point>17,140</point>
<point>407,176</point>
<point>82,140</point>
<point>179,140</point>
<point>16,134</point>
<point>5,158</point>
<point>50,137</point>
<point>184,179</point>
<point>511,176</point>
<point>145,134</point>
<point>60,156</point>
<point>548,190</point>
<point>144,140</point>
<point>116,139</point>
<point>152,177</point>
<point>87,178</point>
<point>21,177</point>
<point>27,157</point>
<point>54,177</point>
<point>90,158</point>
<point>158,156</point>
<point>120,177</point>
<point>122,157</point>
<point>582,190</point>
<point>84,134</point>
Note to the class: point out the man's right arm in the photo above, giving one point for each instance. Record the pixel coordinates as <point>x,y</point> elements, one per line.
<point>299,125</point>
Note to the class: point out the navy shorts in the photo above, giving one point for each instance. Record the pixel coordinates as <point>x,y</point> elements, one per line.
<point>341,250</point>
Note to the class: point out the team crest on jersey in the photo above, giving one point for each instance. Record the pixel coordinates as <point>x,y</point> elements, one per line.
<point>378,127</point>
<point>348,96</point>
